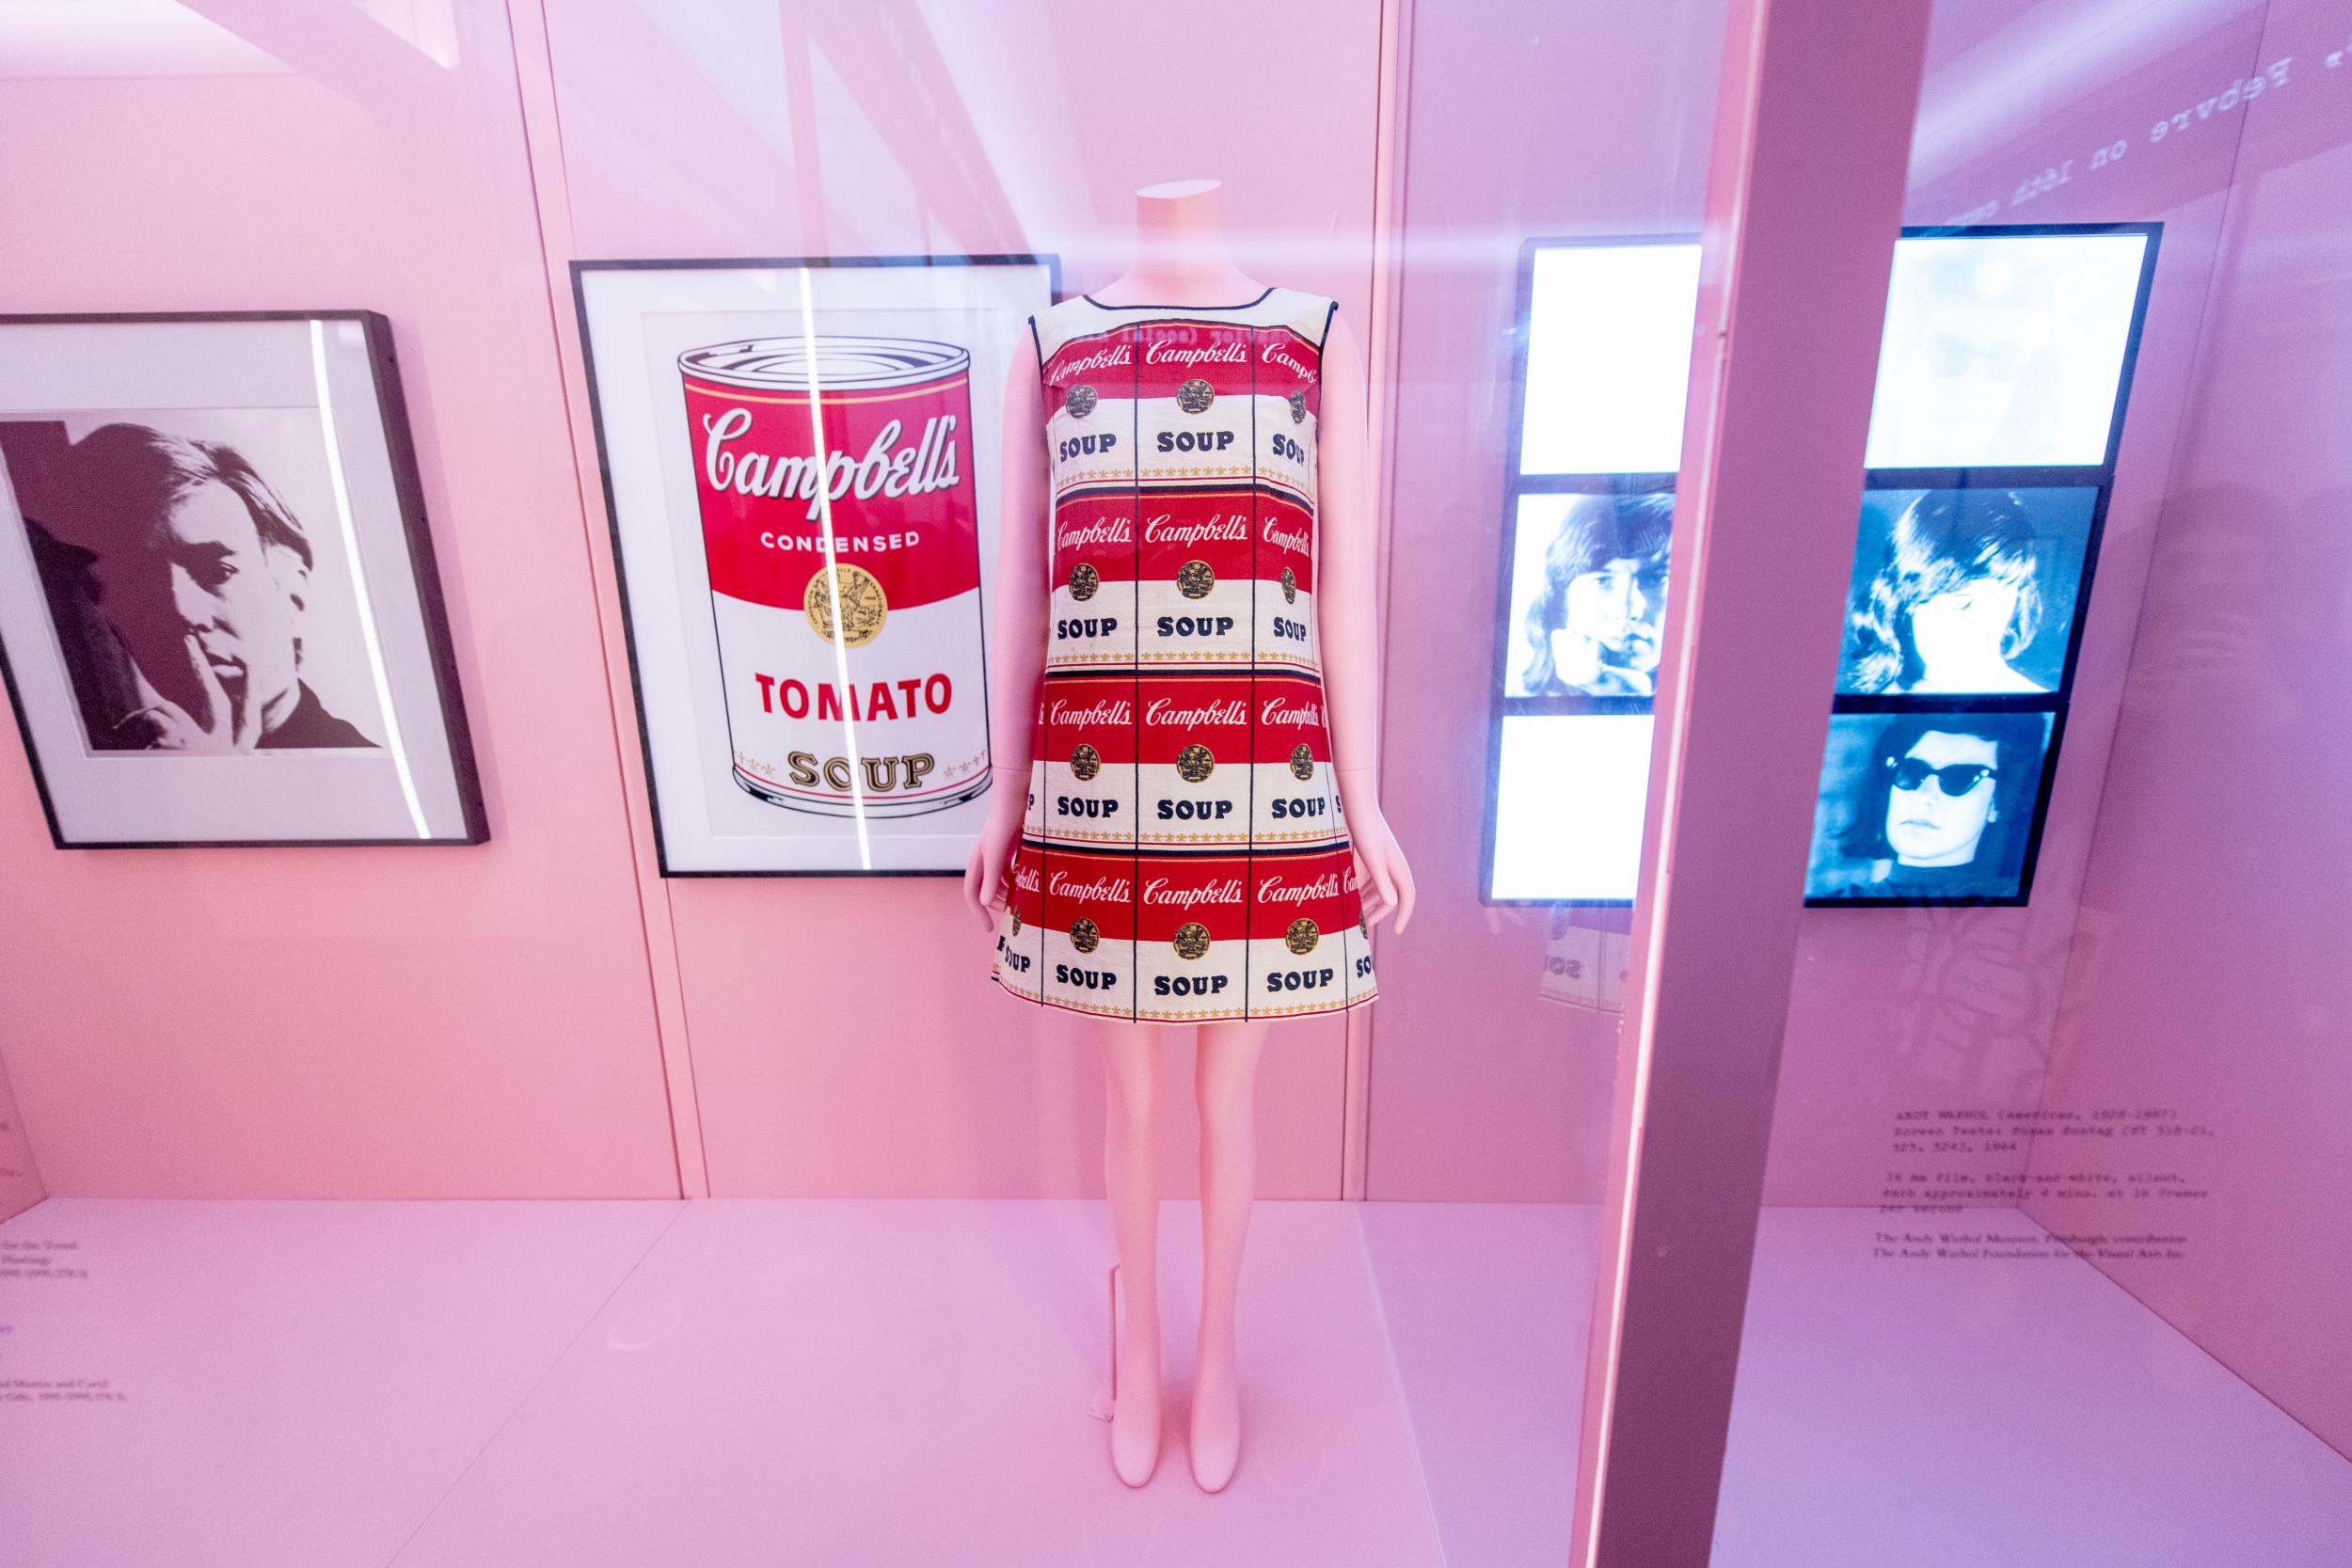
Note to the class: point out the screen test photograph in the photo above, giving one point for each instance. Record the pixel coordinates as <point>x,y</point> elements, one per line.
<point>2003,373</point>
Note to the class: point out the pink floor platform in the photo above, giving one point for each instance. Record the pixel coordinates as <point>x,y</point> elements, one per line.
<point>900,1382</point>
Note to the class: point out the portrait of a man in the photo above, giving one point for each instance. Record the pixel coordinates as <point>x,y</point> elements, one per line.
<point>220,616</point>
<point>181,585</point>
<point>1590,595</point>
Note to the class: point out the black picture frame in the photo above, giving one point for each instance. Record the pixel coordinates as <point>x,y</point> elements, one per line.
<point>407,500</point>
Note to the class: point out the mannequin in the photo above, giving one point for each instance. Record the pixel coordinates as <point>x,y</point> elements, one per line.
<point>1182,260</point>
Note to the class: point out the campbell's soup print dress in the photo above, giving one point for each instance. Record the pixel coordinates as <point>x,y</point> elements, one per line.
<point>1184,856</point>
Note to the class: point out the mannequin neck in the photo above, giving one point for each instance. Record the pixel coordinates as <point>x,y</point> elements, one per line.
<point>1181,255</point>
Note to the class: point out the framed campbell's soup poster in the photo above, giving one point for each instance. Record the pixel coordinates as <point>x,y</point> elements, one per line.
<point>800,462</point>
<point>220,622</point>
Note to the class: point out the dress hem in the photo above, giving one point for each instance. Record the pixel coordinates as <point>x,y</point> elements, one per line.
<point>1283,1016</point>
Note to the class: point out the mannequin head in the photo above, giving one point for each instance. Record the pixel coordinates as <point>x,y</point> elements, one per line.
<point>1180,255</point>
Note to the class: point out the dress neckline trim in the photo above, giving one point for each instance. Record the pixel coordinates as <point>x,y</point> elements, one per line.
<point>1242,306</point>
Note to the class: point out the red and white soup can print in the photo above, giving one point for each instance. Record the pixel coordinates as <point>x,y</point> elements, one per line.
<point>857,687</point>
<point>1308,950</point>
<point>1086,938</point>
<point>1192,929</point>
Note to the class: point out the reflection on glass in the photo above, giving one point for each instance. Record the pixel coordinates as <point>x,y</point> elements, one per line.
<point>1926,805</point>
<point>2003,349</point>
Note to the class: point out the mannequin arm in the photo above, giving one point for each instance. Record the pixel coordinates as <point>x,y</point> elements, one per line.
<point>1349,574</point>
<point>1016,644</point>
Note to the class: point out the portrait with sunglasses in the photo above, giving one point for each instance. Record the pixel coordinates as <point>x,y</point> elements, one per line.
<point>2004,350</point>
<point>1928,806</point>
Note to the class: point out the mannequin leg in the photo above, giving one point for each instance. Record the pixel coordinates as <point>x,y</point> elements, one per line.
<point>1130,1182</point>
<point>1225,1083</point>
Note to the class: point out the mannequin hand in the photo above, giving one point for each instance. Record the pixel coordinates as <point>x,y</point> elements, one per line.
<point>984,875</point>
<point>1385,882</point>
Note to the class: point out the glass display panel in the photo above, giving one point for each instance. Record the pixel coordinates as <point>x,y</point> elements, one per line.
<point>1494,1049</point>
<point>2003,375</point>
<point>2046,1271</point>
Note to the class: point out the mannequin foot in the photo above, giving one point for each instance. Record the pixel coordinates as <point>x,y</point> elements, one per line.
<point>1216,1422</point>
<point>1136,1410</point>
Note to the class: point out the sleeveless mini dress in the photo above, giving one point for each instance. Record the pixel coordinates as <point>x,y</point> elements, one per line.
<point>1183,858</point>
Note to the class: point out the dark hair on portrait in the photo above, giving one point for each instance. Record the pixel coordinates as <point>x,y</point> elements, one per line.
<point>120,481</point>
<point>1596,531</point>
<point>2019,739</point>
<point>1943,540</point>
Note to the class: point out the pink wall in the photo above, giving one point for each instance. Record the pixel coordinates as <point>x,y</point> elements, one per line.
<point>542,1015</point>
<point>345,1022</point>
<point>2215,978</point>
<point>525,1017</point>
<point>19,1178</point>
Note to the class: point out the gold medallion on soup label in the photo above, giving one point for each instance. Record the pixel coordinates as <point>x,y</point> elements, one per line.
<point>858,594</point>
<point>1302,937</point>
<point>1192,940</point>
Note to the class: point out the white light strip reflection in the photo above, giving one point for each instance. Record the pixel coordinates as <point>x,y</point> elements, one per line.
<point>359,581</point>
<point>833,579</point>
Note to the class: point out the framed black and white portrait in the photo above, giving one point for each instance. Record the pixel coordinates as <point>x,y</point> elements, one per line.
<point>1930,806</point>
<point>1588,594</point>
<point>220,618</point>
